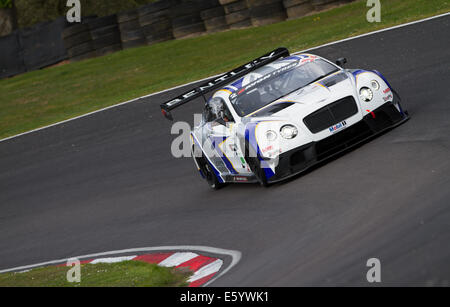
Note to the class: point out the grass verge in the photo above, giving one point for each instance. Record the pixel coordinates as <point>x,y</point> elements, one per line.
<point>43,97</point>
<point>121,274</point>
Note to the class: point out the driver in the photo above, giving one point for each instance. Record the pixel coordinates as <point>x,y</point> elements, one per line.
<point>218,109</point>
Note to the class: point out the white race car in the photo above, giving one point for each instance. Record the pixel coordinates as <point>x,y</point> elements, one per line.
<point>279,114</point>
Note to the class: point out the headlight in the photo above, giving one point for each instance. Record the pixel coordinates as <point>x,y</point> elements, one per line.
<point>375,85</point>
<point>288,131</point>
<point>366,94</point>
<point>271,135</point>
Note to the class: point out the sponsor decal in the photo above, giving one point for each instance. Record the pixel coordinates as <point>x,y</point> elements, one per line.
<point>388,97</point>
<point>309,59</point>
<point>337,126</point>
<point>267,148</point>
<point>240,178</point>
<point>264,78</point>
<point>197,92</point>
<point>373,114</point>
<point>387,90</point>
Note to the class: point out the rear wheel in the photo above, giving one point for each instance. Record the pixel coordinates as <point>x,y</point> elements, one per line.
<point>208,172</point>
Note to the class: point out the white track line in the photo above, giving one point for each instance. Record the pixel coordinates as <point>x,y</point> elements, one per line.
<point>177,259</point>
<point>193,82</point>
<point>112,259</point>
<point>235,257</point>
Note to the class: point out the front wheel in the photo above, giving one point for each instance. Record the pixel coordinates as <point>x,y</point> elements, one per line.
<point>398,101</point>
<point>255,165</point>
<point>208,172</point>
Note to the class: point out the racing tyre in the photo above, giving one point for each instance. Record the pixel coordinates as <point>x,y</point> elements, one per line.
<point>237,17</point>
<point>290,3</point>
<point>214,23</point>
<point>106,40</point>
<point>189,30</point>
<point>241,24</point>
<point>209,174</point>
<point>255,165</point>
<point>102,22</point>
<point>77,39</point>
<point>399,101</point>
<point>212,13</point>
<point>154,17</point>
<point>75,29</point>
<point>100,32</point>
<point>223,2</point>
<point>154,7</point>
<point>127,16</point>
<point>299,10</point>
<point>235,7</point>
<point>321,5</point>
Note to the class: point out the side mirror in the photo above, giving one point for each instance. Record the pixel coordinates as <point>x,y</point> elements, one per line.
<point>341,62</point>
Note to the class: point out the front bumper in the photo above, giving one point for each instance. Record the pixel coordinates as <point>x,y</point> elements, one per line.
<point>301,158</point>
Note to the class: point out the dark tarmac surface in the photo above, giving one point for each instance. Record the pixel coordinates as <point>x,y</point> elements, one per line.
<point>108,181</point>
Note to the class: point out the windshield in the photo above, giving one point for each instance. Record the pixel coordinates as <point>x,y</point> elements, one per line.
<point>279,83</point>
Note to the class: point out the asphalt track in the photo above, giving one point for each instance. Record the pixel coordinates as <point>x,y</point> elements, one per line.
<point>108,181</point>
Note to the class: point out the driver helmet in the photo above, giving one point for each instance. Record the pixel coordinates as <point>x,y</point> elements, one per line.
<point>217,108</point>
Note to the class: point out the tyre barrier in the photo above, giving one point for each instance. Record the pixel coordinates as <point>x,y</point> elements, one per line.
<point>235,6</point>
<point>297,8</point>
<point>320,5</point>
<point>224,2</point>
<point>154,18</point>
<point>214,19</point>
<point>237,14</point>
<point>263,12</point>
<point>131,32</point>
<point>216,24</point>
<point>105,35</point>
<point>78,41</point>
<point>186,20</point>
<point>148,24</point>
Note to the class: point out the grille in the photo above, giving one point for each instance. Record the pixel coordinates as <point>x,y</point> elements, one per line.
<point>331,114</point>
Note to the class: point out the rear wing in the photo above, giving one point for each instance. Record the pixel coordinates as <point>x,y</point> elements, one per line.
<point>222,80</point>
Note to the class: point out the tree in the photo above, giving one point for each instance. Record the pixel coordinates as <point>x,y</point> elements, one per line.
<point>8,17</point>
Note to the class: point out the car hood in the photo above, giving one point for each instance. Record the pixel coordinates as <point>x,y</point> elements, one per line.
<point>308,99</point>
